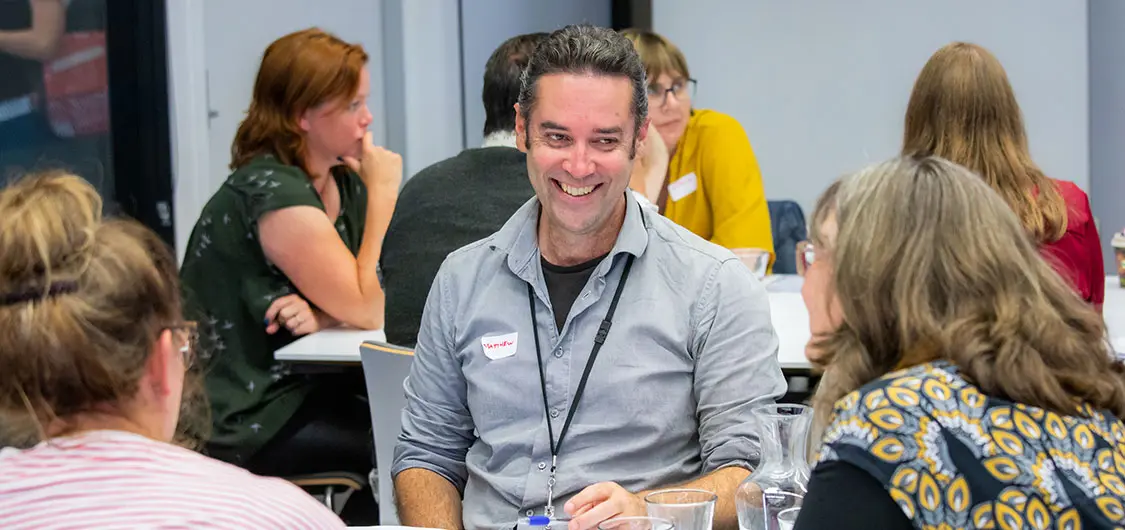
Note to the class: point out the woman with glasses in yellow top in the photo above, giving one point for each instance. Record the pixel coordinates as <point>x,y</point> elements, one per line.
<point>712,185</point>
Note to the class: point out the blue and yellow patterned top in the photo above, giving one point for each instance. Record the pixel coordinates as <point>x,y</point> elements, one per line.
<point>952,457</point>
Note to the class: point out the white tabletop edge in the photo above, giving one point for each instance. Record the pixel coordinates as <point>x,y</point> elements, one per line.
<point>322,357</point>
<point>787,311</point>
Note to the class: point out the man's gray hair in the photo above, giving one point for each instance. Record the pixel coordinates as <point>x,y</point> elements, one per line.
<point>584,50</point>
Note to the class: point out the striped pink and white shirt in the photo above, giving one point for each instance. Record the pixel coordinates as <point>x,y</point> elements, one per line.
<point>115,479</point>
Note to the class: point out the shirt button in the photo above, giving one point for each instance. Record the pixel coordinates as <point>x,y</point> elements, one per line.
<point>558,354</point>
<point>554,413</point>
<point>542,466</point>
<point>530,513</point>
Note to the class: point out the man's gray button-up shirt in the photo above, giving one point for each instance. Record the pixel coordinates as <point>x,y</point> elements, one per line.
<point>691,351</point>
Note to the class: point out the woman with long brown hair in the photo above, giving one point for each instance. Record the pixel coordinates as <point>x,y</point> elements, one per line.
<point>964,385</point>
<point>288,245</point>
<point>963,109</point>
<point>96,361</point>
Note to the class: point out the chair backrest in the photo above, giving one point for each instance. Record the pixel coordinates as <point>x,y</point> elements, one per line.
<point>787,220</point>
<point>385,368</point>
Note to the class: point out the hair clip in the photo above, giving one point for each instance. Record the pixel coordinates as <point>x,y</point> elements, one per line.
<point>31,293</point>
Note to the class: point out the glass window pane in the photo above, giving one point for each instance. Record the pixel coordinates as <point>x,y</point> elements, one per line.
<point>54,91</point>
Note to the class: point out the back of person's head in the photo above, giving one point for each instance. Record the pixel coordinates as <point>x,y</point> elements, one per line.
<point>299,71</point>
<point>963,109</point>
<point>502,81</point>
<point>929,263</point>
<point>658,54</point>
<point>585,50</point>
<point>82,303</point>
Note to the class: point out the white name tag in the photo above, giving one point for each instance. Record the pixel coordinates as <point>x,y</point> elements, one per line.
<point>499,347</point>
<point>682,187</point>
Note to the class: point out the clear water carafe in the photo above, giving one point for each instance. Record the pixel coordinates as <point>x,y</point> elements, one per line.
<point>781,479</point>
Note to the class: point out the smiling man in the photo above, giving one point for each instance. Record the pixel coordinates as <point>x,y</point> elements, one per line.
<point>590,350</point>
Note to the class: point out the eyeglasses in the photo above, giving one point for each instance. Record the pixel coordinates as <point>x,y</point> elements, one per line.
<point>683,89</point>
<point>806,255</point>
<point>192,339</point>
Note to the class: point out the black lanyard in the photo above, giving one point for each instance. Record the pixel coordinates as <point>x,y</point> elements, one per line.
<point>599,339</point>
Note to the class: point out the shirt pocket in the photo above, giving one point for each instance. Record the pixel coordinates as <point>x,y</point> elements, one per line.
<point>502,393</point>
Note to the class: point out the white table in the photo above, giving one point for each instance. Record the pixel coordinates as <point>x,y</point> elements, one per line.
<point>386,527</point>
<point>333,346</point>
<point>337,345</point>
<point>790,320</point>
<point>787,311</point>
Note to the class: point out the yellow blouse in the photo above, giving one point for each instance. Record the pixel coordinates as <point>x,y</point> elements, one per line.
<point>726,204</point>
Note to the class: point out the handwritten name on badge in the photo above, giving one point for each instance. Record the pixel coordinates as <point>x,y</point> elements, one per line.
<point>500,347</point>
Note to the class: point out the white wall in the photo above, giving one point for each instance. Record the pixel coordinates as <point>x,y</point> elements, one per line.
<point>821,86</point>
<point>485,24</point>
<point>187,97</point>
<point>422,47</point>
<point>1107,119</point>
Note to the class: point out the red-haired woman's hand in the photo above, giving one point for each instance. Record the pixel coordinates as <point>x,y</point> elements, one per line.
<point>293,313</point>
<point>380,168</point>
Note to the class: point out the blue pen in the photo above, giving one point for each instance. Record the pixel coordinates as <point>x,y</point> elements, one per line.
<point>542,521</point>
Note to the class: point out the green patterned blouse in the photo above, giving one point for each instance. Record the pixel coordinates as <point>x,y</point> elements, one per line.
<point>228,284</point>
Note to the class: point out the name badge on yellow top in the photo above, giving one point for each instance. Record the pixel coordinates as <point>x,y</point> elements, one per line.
<point>682,187</point>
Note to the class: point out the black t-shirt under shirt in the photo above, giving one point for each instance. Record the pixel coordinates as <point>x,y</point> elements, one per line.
<point>564,284</point>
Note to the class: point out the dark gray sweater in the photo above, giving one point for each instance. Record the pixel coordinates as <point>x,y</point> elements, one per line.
<point>444,207</point>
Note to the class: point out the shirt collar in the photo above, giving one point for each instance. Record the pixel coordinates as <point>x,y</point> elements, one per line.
<point>521,236</point>
<point>500,139</point>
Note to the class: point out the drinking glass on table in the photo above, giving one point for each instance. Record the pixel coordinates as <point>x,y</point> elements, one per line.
<point>687,509</point>
<point>787,519</point>
<point>636,523</point>
<point>755,259</point>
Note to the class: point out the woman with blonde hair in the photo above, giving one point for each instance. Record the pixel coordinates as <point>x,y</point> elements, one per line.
<point>708,179</point>
<point>96,356</point>
<point>289,245</point>
<point>964,385</point>
<point>963,109</point>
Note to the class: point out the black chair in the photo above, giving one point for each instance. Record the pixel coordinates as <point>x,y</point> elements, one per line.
<point>787,220</point>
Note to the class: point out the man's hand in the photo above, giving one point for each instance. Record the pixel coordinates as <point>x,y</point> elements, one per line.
<point>602,501</point>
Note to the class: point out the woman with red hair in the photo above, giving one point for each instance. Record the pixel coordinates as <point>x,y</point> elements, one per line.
<point>287,246</point>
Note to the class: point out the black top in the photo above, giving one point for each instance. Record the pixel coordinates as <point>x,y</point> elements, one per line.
<point>21,76</point>
<point>444,207</point>
<point>564,284</point>
<point>867,505</point>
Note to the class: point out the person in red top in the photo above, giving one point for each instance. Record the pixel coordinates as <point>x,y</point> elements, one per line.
<point>1077,255</point>
<point>963,109</point>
